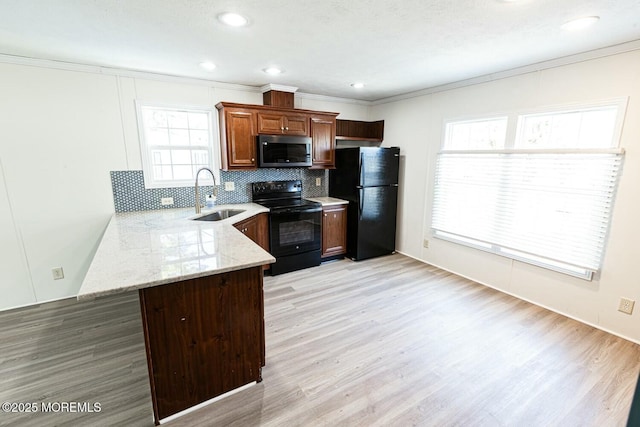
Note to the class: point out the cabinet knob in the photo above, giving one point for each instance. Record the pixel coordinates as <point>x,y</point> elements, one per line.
<point>281,127</point>
<point>286,128</point>
<point>325,214</point>
<point>253,159</point>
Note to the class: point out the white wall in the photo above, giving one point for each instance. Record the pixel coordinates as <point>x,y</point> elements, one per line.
<point>62,132</point>
<point>348,109</point>
<point>416,125</point>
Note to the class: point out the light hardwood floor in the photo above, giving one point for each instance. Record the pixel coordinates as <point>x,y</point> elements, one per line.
<point>384,342</point>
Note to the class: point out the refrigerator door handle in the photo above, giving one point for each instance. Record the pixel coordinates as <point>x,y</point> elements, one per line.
<point>360,203</point>
<point>361,171</point>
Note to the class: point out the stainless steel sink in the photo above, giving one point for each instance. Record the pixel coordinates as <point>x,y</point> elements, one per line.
<point>219,215</point>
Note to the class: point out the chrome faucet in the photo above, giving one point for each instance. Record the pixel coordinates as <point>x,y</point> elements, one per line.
<point>215,188</point>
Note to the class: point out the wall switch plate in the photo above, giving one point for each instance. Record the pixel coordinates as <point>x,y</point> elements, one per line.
<point>57,273</point>
<point>626,305</point>
<point>229,186</point>
<point>318,182</point>
<point>166,201</point>
<point>425,243</point>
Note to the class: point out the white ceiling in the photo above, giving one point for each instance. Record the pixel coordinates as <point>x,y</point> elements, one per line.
<point>393,46</point>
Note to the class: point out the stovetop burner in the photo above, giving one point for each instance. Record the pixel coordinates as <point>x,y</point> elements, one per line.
<point>291,203</point>
<point>281,195</point>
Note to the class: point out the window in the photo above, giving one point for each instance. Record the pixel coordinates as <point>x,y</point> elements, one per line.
<point>477,134</point>
<point>175,143</point>
<point>544,196</point>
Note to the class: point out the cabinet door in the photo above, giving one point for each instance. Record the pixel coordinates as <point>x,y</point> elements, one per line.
<point>296,125</point>
<point>262,231</point>
<point>270,123</point>
<point>323,137</point>
<point>204,337</point>
<point>282,124</point>
<point>239,140</point>
<point>334,230</point>
<point>257,229</point>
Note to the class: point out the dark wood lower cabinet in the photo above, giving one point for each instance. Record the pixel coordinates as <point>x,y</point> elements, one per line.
<point>257,229</point>
<point>334,231</point>
<point>204,337</point>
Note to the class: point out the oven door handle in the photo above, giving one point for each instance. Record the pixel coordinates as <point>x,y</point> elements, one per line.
<point>295,210</point>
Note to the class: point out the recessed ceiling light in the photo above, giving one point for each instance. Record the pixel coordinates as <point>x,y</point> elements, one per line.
<point>233,19</point>
<point>580,23</point>
<point>272,70</point>
<point>357,85</point>
<point>208,65</point>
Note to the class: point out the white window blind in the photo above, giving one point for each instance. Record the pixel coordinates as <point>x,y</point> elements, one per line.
<point>555,207</point>
<point>546,206</point>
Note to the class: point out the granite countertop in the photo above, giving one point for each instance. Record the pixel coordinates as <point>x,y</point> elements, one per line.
<point>150,248</point>
<point>328,201</point>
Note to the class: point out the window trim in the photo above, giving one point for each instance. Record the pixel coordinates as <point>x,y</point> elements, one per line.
<point>620,102</point>
<point>474,119</point>
<point>516,255</point>
<point>147,164</point>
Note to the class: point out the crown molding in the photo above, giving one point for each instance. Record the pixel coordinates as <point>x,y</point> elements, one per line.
<point>280,88</point>
<point>332,99</point>
<point>539,66</point>
<point>119,72</point>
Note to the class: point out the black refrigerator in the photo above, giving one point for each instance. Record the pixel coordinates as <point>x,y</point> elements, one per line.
<point>368,178</point>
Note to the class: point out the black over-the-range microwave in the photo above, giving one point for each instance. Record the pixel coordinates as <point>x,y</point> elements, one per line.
<point>282,151</point>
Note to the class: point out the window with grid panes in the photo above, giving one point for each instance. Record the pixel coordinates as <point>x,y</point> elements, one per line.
<point>175,143</point>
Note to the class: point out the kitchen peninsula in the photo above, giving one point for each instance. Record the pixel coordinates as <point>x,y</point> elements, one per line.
<point>201,298</point>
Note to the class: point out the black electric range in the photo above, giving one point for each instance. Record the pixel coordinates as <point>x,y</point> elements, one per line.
<point>294,225</point>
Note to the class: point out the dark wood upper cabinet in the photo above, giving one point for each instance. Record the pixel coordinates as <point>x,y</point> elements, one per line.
<point>277,98</point>
<point>323,137</point>
<point>240,125</point>
<point>274,123</point>
<point>356,130</point>
<point>238,138</point>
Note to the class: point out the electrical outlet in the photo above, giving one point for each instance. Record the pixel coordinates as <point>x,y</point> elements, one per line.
<point>425,243</point>
<point>626,305</point>
<point>229,186</point>
<point>166,201</point>
<point>318,182</point>
<point>57,273</point>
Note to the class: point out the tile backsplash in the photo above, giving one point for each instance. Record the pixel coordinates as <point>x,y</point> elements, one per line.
<point>129,193</point>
